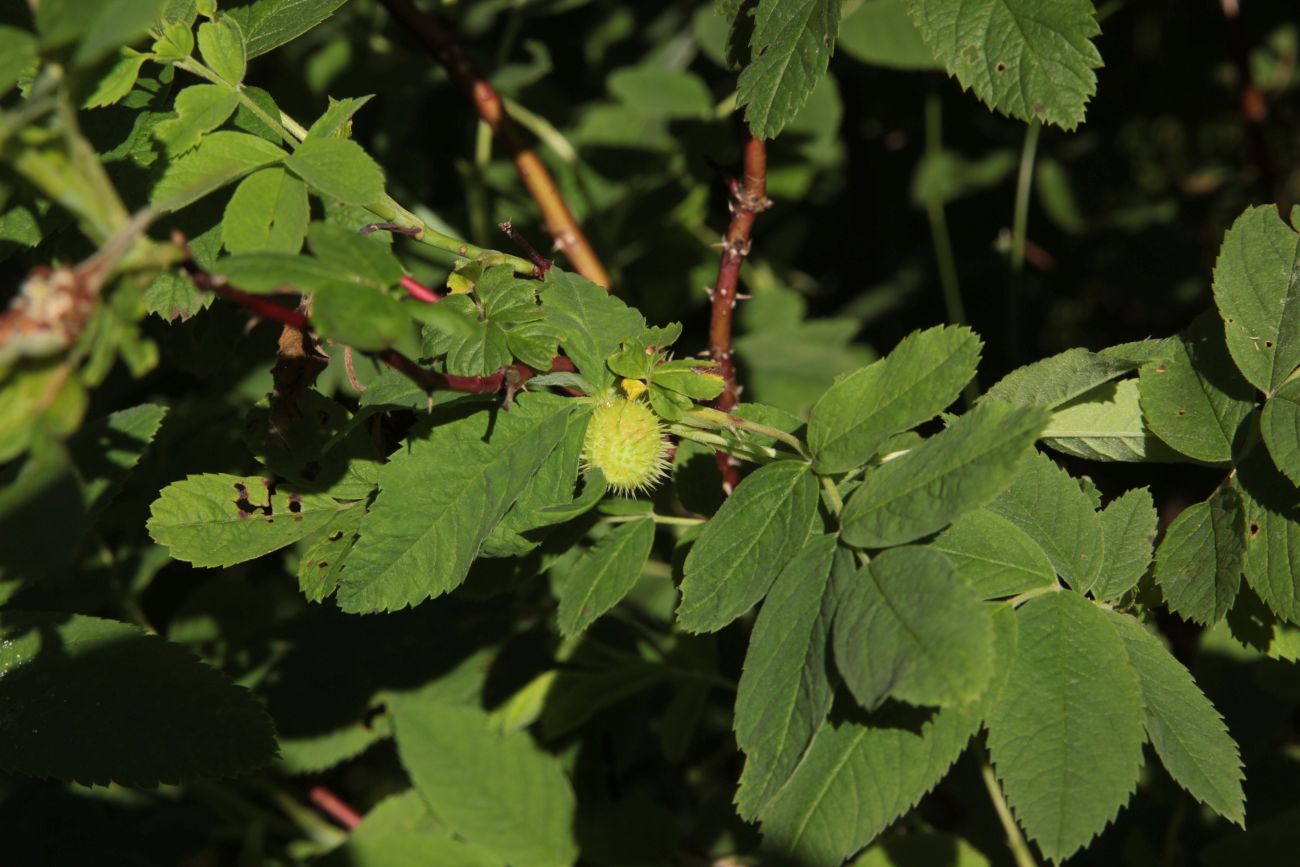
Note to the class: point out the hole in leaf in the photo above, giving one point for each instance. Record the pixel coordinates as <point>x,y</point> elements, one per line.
<point>1001,67</point>
<point>1254,530</point>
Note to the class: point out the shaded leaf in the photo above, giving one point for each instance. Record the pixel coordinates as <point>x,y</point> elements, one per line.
<point>993,555</point>
<point>339,168</point>
<point>220,158</point>
<point>791,46</point>
<point>604,575</point>
<point>269,211</point>
<point>1200,560</point>
<point>1128,525</point>
<point>1279,425</point>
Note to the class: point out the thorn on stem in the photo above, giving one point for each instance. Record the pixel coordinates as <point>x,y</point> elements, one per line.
<point>540,263</point>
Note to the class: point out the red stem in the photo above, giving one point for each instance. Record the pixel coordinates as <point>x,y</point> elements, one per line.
<point>334,807</point>
<point>748,198</point>
<point>419,291</point>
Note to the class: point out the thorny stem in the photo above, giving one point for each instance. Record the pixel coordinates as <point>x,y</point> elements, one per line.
<point>1015,840</point>
<point>439,40</point>
<point>748,198</point>
<point>509,377</point>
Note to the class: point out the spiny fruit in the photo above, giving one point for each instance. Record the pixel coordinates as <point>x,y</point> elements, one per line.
<point>626,442</point>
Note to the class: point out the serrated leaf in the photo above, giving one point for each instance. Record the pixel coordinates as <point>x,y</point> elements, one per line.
<point>339,168</point>
<point>785,689</point>
<point>321,565</point>
<point>548,498</point>
<point>499,792</point>
<point>472,346</point>
<point>216,519</point>
<point>604,575</point>
<point>97,701</point>
<point>743,548</point>
<point>1053,381</point>
<point>262,273</point>
<point>441,495</point>
<point>337,119</point>
<point>1257,290</point>
<point>953,472</point>
<point>791,46</point>
<point>112,87</point>
<point>911,629</point>
<point>1193,398</point>
<point>1185,729</point>
<point>1030,59</point>
<point>17,52</point>
<point>400,830</point>
<point>1272,532</point>
<point>1200,560</point>
<point>857,778</point>
<point>221,45</point>
<point>1106,424</point>
<point>1279,425</point>
<point>917,380</point>
<point>175,41</point>
<point>591,323</point>
<point>101,26</point>
<point>1055,512</point>
<point>993,555</point>
<point>1066,733</point>
<point>1128,524</point>
<point>268,24</point>
<point>269,211</point>
<point>220,158</point>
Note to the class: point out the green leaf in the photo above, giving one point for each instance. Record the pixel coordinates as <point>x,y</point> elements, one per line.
<point>200,109</point>
<point>880,32</point>
<point>1066,733</point>
<point>1129,525</point>
<point>953,472</point>
<point>268,24</point>
<point>943,176</point>
<point>95,701</point>
<point>1279,425</point>
<point>269,211</point>
<point>499,792</point>
<point>441,495</point>
<point>400,830</point>
<point>548,499</point>
<point>321,566</point>
<point>1106,424</point>
<point>858,777</point>
<point>106,449</point>
<point>791,46</point>
<point>993,555</point>
<point>112,87</point>
<point>744,547</point>
<point>1186,730</point>
<point>785,689</point>
<point>263,273</point>
<point>1054,381</point>
<point>102,26</point>
<point>1030,59</point>
<point>363,256</point>
<point>221,45</point>
<point>592,323</point>
<point>1055,512</point>
<point>17,53</point>
<point>911,629</point>
<point>604,575</point>
<point>1272,532</point>
<point>221,158</point>
<point>922,849</point>
<point>914,383</point>
<point>661,92</point>
<point>338,168</point>
<point>337,119</point>
<point>1201,558</point>
<point>791,364</point>
<point>175,42</point>
<point>359,316</point>
<point>1258,293</point>
<point>216,519</point>
<point>1194,399</point>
